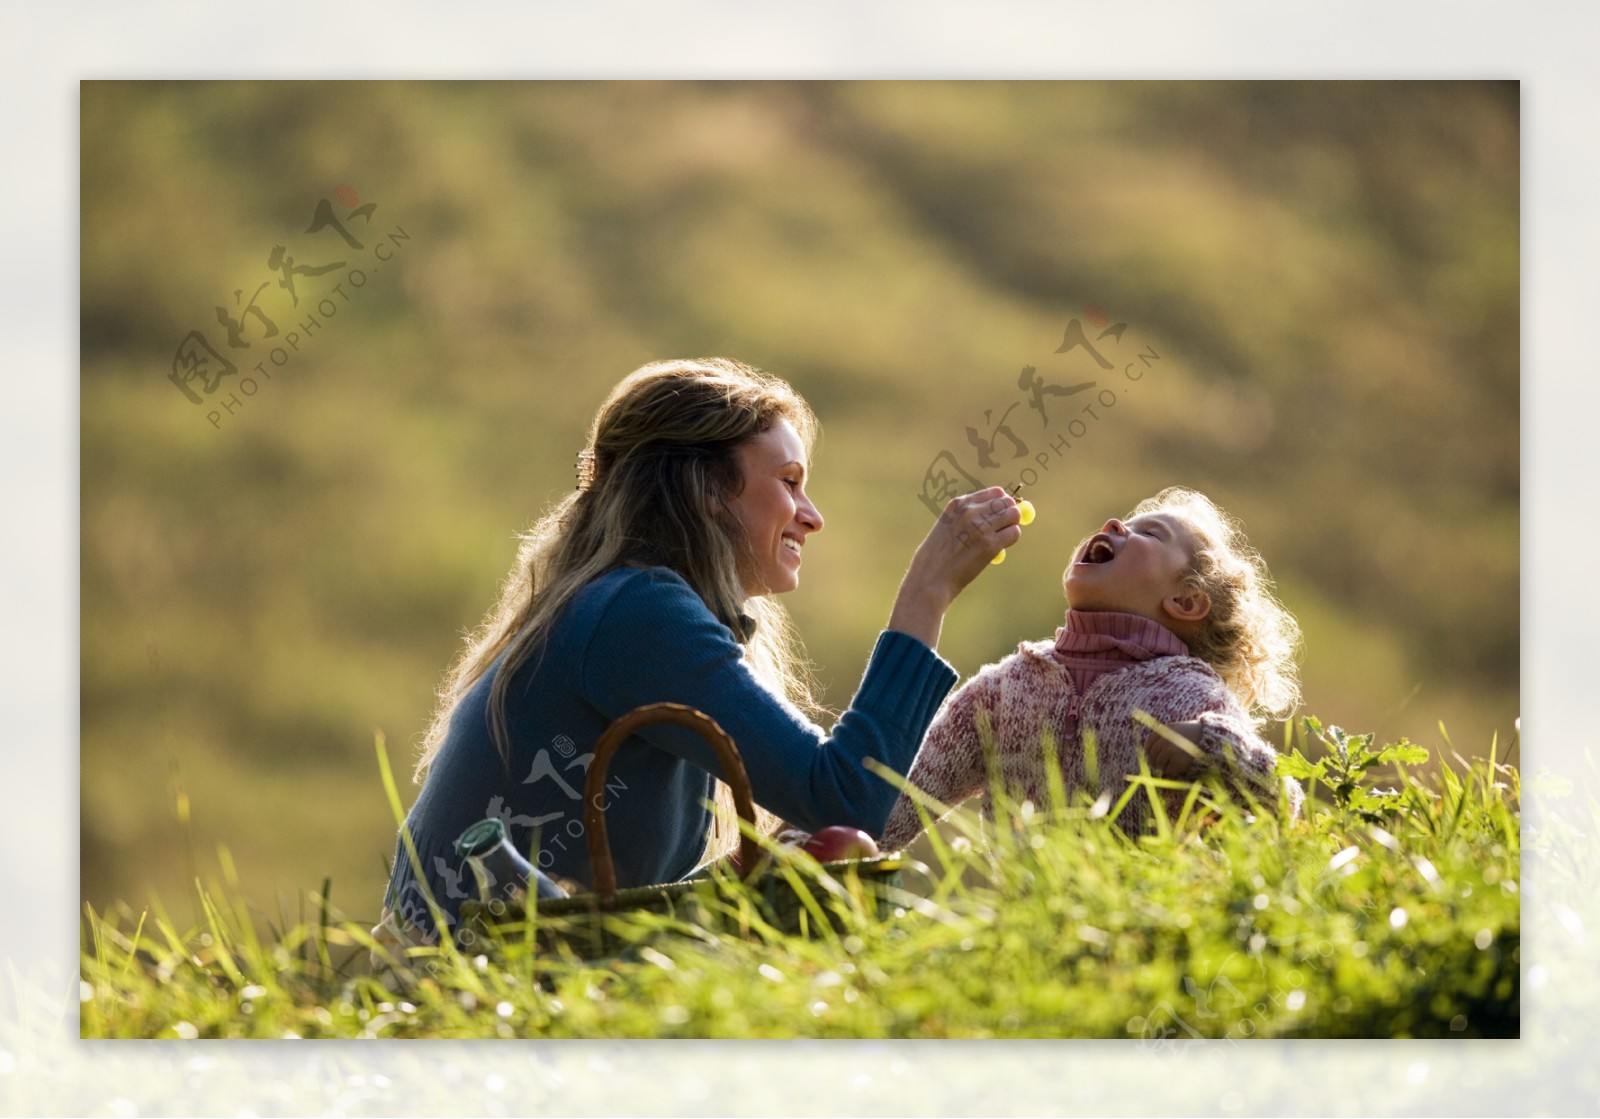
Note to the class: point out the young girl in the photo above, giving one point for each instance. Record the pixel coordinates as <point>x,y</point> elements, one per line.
<point>1169,611</point>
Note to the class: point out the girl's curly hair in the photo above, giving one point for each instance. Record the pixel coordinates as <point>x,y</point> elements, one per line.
<point>1248,637</point>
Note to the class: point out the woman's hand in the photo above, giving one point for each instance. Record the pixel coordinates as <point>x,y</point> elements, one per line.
<point>971,531</point>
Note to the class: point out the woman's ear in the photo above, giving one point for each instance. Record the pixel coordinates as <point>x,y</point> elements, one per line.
<point>1187,605</point>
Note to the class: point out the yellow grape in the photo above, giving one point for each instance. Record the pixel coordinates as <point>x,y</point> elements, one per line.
<point>1026,509</point>
<point>999,557</point>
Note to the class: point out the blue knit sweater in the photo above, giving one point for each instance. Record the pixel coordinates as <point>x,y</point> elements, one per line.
<point>637,636</point>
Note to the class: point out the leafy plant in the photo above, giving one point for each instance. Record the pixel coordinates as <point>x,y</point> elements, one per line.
<point>1347,766</point>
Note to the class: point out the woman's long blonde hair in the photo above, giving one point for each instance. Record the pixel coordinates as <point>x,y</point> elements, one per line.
<point>663,472</point>
<point>1248,636</point>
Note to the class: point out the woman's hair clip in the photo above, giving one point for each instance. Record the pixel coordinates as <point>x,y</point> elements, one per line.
<point>585,469</point>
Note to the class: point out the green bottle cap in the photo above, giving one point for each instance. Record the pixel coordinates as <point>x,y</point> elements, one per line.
<point>481,837</point>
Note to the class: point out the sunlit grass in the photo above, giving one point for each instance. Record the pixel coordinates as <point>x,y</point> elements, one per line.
<point>1374,915</point>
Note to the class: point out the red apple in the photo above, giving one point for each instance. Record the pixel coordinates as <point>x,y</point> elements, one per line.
<point>832,844</point>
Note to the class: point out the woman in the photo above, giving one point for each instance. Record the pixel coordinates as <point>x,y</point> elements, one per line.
<point>654,582</point>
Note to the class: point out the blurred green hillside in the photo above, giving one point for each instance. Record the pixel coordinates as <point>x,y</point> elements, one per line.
<point>1328,271</point>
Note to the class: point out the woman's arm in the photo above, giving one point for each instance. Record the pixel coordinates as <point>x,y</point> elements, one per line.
<point>656,641</point>
<point>659,642</point>
<point>970,532</point>
<point>949,767</point>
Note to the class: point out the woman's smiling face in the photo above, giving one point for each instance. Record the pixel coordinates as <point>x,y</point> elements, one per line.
<point>773,508</point>
<point>1137,567</point>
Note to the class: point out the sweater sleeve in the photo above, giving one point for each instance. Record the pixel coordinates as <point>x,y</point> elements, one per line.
<point>949,767</point>
<point>656,641</point>
<point>1241,758</point>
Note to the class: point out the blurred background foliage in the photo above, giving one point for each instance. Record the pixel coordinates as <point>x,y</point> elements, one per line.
<point>1329,272</point>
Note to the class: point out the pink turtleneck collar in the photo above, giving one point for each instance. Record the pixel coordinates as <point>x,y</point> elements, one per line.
<point>1096,642</point>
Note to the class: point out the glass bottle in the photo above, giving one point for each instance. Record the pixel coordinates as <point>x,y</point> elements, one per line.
<point>499,867</point>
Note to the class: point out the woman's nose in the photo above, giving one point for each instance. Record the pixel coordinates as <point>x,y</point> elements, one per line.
<point>1115,527</point>
<point>808,515</point>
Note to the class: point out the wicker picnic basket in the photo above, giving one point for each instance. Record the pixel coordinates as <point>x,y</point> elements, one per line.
<point>587,924</point>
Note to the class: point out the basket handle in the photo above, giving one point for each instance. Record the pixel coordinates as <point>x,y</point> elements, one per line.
<point>620,730</point>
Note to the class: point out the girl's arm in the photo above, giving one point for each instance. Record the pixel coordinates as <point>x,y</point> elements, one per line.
<point>1230,747</point>
<point>949,767</point>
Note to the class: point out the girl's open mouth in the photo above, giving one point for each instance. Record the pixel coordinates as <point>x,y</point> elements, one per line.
<point>1099,550</point>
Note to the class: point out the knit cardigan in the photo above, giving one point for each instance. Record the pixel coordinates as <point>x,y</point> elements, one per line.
<point>1031,690</point>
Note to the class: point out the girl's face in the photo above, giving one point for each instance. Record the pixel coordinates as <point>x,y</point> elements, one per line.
<point>774,509</point>
<point>1138,567</point>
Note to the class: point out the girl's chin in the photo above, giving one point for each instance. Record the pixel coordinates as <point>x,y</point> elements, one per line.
<point>1083,582</point>
<point>1082,598</point>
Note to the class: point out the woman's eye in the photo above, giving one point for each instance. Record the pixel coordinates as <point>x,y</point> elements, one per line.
<point>791,483</point>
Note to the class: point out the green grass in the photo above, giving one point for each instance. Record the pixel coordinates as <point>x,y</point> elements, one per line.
<point>1374,915</point>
